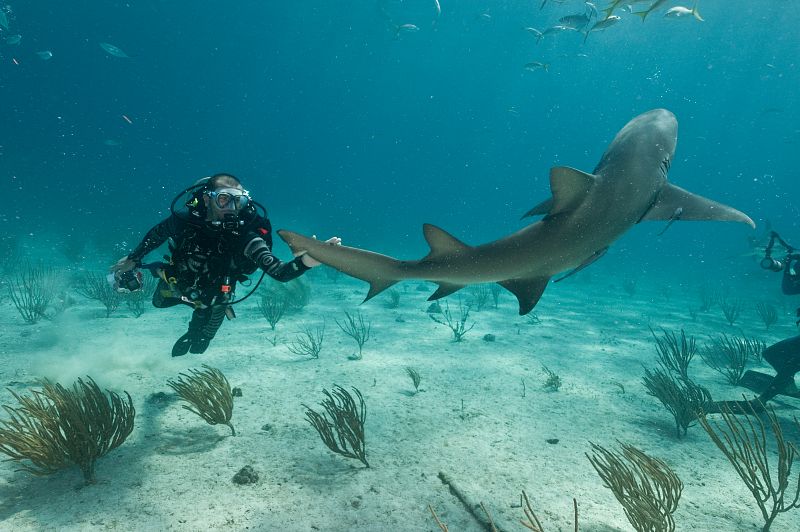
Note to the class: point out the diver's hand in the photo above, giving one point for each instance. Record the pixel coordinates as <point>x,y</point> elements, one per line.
<point>311,262</point>
<point>123,265</point>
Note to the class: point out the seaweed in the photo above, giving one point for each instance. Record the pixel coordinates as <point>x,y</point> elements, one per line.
<point>341,426</point>
<point>745,445</point>
<point>57,427</point>
<point>646,487</point>
<point>208,393</point>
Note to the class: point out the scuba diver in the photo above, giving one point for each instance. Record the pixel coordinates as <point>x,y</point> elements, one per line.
<point>221,238</point>
<point>783,356</point>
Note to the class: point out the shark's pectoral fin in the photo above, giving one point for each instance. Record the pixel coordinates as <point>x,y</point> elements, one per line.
<point>543,208</point>
<point>528,291</point>
<point>444,290</point>
<point>672,200</point>
<point>569,187</point>
<point>441,242</point>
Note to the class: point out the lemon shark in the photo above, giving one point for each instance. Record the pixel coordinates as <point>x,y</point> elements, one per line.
<point>584,216</point>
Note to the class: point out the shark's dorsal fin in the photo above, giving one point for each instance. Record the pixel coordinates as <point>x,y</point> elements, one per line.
<point>569,187</point>
<point>692,207</point>
<point>528,291</point>
<point>441,242</point>
<point>445,289</point>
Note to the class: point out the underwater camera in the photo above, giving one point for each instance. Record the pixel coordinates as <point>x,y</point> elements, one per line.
<point>773,264</point>
<point>129,281</point>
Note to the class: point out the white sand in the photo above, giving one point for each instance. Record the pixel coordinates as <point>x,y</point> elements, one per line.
<point>175,471</point>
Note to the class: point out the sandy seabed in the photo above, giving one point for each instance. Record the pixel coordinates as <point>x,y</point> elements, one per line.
<point>482,416</point>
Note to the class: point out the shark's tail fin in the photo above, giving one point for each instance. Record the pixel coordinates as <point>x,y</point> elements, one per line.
<point>380,271</point>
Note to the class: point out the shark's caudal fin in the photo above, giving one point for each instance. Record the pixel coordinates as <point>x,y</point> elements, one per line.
<point>380,271</point>
<point>676,203</point>
<point>569,187</point>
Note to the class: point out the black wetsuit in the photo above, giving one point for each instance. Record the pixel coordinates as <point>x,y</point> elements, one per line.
<point>784,356</point>
<point>205,260</point>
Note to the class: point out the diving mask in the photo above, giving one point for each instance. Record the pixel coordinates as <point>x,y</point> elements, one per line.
<point>230,198</point>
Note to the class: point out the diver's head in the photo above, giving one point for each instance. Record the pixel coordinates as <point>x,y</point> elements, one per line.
<point>224,199</point>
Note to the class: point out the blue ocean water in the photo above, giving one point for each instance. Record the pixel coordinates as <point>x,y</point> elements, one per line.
<point>343,119</point>
<point>341,124</point>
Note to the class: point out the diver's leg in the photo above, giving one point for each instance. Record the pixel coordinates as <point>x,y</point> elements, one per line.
<point>200,317</point>
<point>784,356</point>
<point>208,330</point>
<point>203,327</point>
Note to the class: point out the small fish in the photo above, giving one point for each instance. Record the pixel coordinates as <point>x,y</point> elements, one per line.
<point>610,9</point>
<point>536,33</point>
<point>606,23</point>
<point>556,29</point>
<point>576,22</point>
<point>533,66</point>
<point>128,120</point>
<point>45,55</point>
<point>438,7</point>
<point>14,59</point>
<point>655,5</point>
<point>407,28</point>
<point>486,17</point>
<point>680,11</point>
<point>603,24</point>
<point>113,50</point>
<point>13,39</point>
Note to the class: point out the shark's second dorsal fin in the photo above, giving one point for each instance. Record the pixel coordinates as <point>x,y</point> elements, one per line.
<point>441,242</point>
<point>692,207</point>
<point>569,187</point>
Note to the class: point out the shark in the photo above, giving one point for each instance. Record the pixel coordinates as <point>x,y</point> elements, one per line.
<point>586,213</point>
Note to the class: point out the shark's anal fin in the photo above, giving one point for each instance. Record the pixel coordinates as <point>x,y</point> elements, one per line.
<point>441,242</point>
<point>692,207</point>
<point>569,187</point>
<point>444,290</point>
<point>376,286</point>
<point>596,255</point>
<point>528,291</point>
